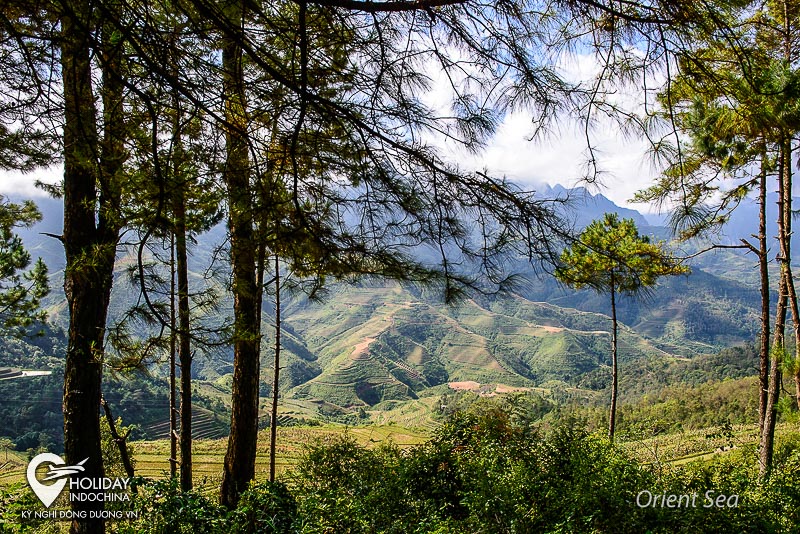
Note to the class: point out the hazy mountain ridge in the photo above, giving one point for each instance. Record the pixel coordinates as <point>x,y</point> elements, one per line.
<point>370,344</point>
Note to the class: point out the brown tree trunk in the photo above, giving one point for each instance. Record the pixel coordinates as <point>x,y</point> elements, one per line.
<point>91,229</point>
<point>173,333</point>
<point>763,265</point>
<point>779,344</point>
<point>184,325</point>
<point>121,441</point>
<point>792,293</point>
<point>239,468</point>
<point>273,421</point>
<point>775,376</point>
<point>613,415</point>
<point>790,288</point>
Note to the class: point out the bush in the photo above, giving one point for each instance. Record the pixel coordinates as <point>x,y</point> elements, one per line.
<point>164,509</point>
<point>492,472</point>
<point>483,472</point>
<point>265,508</point>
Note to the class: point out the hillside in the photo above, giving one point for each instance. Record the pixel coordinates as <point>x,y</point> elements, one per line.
<point>379,350</point>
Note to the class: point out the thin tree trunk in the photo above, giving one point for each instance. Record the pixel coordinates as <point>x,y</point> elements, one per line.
<point>792,293</point>
<point>779,344</point>
<point>273,422</point>
<point>184,343</point>
<point>763,264</point>
<point>790,288</point>
<point>184,318</point>
<point>797,386</point>
<point>173,420</point>
<point>239,468</point>
<point>121,441</point>
<point>771,414</point>
<point>613,416</point>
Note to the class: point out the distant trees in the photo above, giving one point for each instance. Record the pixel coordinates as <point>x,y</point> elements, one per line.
<point>611,257</point>
<point>7,444</point>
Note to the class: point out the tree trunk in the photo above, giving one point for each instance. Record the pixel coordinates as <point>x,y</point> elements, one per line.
<point>173,333</point>
<point>763,264</point>
<point>273,421</point>
<point>791,293</point>
<point>239,468</point>
<point>771,413</point>
<point>91,229</point>
<point>791,290</point>
<point>613,415</point>
<point>121,441</point>
<point>184,325</point>
<point>779,345</point>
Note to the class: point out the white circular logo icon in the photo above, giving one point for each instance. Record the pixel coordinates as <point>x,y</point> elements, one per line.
<point>48,493</point>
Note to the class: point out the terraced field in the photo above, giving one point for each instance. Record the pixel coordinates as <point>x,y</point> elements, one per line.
<point>382,344</point>
<point>151,457</point>
<point>205,425</point>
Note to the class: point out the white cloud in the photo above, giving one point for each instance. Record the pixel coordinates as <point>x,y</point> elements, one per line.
<point>24,184</point>
<point>561,155</point>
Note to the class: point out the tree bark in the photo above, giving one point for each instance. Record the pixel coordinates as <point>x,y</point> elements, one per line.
<point>273,421</point>
<point>613,415</point>
<point>791,292</point>
<point>763,265</point>
<point>121,441</point>
<point>173,333</point>
<point>775,376</point>
<point>184,325</point>
<point>239,468</point>
<point>91,229</point>
<point>779,345</point>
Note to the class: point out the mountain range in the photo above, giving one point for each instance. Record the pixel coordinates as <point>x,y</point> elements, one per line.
<point>368,346</point>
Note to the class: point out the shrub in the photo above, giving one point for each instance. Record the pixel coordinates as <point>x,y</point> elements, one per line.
<point>165,509</point>
<point>265,508</point>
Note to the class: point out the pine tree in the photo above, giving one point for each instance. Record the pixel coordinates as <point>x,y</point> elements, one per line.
<point>611,257</point>
<point>21,288</point>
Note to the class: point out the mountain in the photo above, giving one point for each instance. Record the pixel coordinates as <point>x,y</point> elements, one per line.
<point>580,207</point>
<point>370,346</point>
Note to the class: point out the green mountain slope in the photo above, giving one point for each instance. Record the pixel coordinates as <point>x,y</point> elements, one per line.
<point>382,342</point>
<point>373,347</point>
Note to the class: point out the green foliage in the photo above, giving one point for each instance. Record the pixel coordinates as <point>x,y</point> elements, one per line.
<point>14,498</point>
<point>265,508</point>
<point>685,407</point>
<point>21,290</point>
<point>610,255</point>
<point>164,509</point>
<point>31,411</point>
<point>482,472</point>
<point>489,470</point>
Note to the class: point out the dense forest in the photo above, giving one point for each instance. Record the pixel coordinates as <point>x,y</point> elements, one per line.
<point>327,139</point>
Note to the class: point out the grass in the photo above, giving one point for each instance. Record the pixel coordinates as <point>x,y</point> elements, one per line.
<point>679,448</point>
<point>151,457</point>
<point>12,467</point>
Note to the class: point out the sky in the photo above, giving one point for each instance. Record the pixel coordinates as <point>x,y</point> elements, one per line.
<point>560,158</point>
<point>557,158</point>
